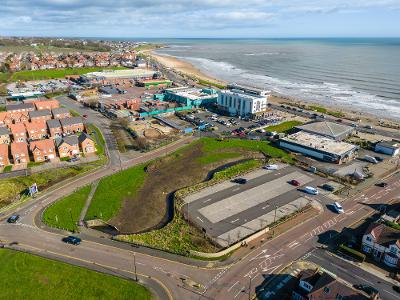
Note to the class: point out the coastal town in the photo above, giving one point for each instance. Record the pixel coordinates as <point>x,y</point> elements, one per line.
<point>225,190</point>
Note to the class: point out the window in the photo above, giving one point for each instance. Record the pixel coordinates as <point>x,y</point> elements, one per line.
<point>369,239</point>
<point>326,290</point>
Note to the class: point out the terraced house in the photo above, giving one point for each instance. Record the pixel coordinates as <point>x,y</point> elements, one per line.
<point>5,135</point>
<point>19,132</point>
<point>36,130</point>
<point>43,150</point>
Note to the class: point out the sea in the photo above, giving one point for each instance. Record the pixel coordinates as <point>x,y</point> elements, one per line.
<point>359,74</point>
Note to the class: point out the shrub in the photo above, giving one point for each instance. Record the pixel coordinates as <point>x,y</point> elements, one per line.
<point>352,252</point>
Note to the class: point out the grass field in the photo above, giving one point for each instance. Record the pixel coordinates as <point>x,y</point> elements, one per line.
<point>64,214</point>
<point>13,188</point>
<point>25,276</point>
<point>283,127</point>
<point>100,141</point>
<point>49,74</point>
<point>113,190</point>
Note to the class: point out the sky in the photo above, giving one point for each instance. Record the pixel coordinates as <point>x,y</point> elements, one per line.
<point>200,18</point>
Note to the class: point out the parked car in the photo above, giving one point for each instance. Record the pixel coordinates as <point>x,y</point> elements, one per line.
<point>271,167</point>
<point>294,182</point>
<point>328,187</point>
<point>311,190</point>
<point>240,180</point>
<point>396,288</point>
<point>72,240</point>
<point>367,289</point>
<point>370,159</point>
<point>338,208</point>
<point>382,184</point>
<point>378,158</point>
<point>13,219</point>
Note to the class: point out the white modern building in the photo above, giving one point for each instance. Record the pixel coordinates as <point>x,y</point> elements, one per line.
<point>244,102</point>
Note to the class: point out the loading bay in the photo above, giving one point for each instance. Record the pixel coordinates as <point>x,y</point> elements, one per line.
<point>227,212</point>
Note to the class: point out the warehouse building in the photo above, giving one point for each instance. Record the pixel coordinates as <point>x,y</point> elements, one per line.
<point>331,130</point>
<point>242,101</point>
<point>191,96</point>
<point>391,148</point>
<point>319,147</point>
<point>135,74</point>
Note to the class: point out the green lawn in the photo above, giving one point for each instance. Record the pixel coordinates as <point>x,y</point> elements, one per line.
<point>283,127</point>
<point>11,189</point>
<point>64,214</point>
<point>113,190</point>
<point>49,74</point>
<point>26,276</point>
<point>215,157</point>
<point>100,143</point>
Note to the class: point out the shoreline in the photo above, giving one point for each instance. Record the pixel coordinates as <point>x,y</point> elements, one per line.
<point>185,68</point>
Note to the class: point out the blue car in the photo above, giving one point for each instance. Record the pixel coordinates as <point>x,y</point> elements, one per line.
<point>13,219</point>
<point>72,240</point>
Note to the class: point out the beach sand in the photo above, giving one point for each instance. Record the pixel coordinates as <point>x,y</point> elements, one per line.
<point>184,67</point>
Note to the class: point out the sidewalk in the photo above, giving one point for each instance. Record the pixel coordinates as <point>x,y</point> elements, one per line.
<point>88,201</point>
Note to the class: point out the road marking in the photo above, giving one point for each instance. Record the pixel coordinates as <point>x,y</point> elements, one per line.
<point>292,244</point>
<point>238,293</point>
<point>264,207</point>
<point>361,278</point>
<point>200,219</point>
<point>235,220</point>
<point>233,285</point>
<point>208,200</point>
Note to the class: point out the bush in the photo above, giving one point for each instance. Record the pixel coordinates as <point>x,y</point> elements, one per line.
<point>353,253</point>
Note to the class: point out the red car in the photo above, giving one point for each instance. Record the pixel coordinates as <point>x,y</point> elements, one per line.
<point>294,182</point>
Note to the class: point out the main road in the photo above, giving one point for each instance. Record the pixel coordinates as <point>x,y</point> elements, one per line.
<point>172,278</point>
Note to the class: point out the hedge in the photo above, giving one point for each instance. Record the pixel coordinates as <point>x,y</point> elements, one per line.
<point>353,253</point>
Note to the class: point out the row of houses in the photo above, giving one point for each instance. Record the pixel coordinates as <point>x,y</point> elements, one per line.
<point>46,150</point>
<point>40,129</point>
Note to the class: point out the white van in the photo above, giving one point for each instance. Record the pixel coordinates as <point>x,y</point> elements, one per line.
<point>338,208</point>
<point>311,190</point>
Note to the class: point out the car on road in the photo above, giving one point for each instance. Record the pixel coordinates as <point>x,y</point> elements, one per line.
<point>338,208</point>
<point>382,184</point>
<point>294,182</point>
<point>240,180</point>
<point>328,187</point>
<point>311,190</point>
<point>367,289</point>
<point>72,240</point>
<point>13,219</point>
<point>271,167</point>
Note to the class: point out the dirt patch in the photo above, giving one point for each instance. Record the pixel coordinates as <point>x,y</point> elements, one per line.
<point>151,133</point>
<point>150,209</point>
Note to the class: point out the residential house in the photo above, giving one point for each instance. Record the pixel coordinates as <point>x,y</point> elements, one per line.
<point>46,104</point>
<point>40,115</point>
<point>61,113</point>
<point>19,117</point>
<point>19,132</point>
<point>5,118</point>
<point>72,125</point>
<point>318,285</point>
<point>20,107</point>
<point>5,135</point>
<point>68,146</point>
<point>383,243</point>
<point>55,128</point>
<point>4,160</point>
<point>19,152</point>
<point>42,150</point>
<point>87,144</point>
<point>37,130</point>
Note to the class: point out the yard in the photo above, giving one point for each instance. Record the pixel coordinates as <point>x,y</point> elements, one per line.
<point>283,127</point>
<point>14,188</point>
<point>26,276</point>
<point>64,214</point>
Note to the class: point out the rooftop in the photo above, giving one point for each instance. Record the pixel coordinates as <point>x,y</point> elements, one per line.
<point>390,144</point>
<point>244,94</point>
<point>14,107</point>
<point>39,113</point>
<point>319,143</point>
<point>60,111</point>
<point>329,129</point>
<point>130,73</point>
<point>70,140</point>
<point>4,130</point>
<point>54,123</point>
<point>190,93</point>
<point>71,121</point>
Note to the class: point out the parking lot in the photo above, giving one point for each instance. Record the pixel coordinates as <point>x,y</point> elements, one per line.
<point>228,212</point>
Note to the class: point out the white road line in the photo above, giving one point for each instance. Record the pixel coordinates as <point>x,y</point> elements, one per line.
<point>359,277</point>
<point>235,220</point>
<point>238,293</point>
<point>200,219</point>
<point>208,200</point>
<point>233,285</point>
<point>264,207</point>
<point>394,295</point>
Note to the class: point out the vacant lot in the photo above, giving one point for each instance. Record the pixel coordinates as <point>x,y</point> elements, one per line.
<point>15,188</point>
<point>25,276</point>
<point>64,214</point>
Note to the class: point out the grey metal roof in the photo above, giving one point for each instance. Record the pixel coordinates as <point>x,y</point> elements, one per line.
<point>39,113</point>
<point>54,123</point>
<point>389,144</point>
<point>70,140</point>
<point>4,131</point>
<point>328,129</point>
<point>19,106</point>
<point>71,121</point>
<point>60,111</point>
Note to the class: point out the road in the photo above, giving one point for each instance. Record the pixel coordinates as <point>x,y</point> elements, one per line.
<point>352,274</point>
<point>236,280</point>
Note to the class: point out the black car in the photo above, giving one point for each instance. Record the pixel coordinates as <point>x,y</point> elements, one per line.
<point>13,219</point>
<point>382,184</point>
<point>396,288</point>
<point>378,158</point>
<point>72,240</point>
<point>328,187</point>
<point>240,180</point>
<point>367,289</point>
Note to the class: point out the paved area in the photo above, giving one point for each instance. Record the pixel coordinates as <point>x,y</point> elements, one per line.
<point>228,212</point>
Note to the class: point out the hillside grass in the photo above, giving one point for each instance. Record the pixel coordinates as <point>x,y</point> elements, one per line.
<point>26,276</point>
<point>64,214</point>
